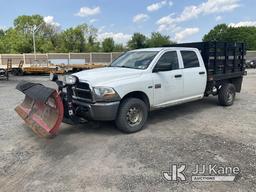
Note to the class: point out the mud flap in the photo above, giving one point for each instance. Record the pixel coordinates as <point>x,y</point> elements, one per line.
<point>42,109</point>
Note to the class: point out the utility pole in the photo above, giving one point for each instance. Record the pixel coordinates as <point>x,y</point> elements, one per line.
<point>34,42</point>
<point>34,29</point>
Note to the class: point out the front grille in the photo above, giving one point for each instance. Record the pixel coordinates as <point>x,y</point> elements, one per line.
<point>82,92</point>
<point>83,86</point>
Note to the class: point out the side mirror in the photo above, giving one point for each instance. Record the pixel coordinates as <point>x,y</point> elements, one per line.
<point>54,77</point>
<point>162,67</point>
<point>155,70</point>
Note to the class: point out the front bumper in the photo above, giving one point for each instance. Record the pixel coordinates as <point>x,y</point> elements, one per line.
<point>82,111</point>
<point>80,105</point>
<point>97,111</point>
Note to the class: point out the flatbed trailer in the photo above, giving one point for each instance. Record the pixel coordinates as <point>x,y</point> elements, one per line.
<point>79,67</point>
<point>57,69</point>
<point>42,70</point>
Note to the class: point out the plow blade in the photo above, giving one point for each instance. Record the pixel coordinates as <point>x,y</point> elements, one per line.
<point>42,109</point>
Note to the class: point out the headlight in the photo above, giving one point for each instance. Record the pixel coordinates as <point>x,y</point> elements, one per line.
<point>105,94</point>
<point>69,79</point>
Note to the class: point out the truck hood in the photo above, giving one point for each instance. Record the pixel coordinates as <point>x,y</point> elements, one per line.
<point>107,75</point>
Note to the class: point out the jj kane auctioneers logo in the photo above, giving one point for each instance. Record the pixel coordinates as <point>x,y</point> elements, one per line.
<point>202,172</point>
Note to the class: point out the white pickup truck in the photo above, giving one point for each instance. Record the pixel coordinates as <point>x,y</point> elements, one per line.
<point>143,80</point>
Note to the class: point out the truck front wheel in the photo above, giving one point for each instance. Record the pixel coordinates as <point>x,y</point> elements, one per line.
<point>132,115</point>
<point>227,94</point>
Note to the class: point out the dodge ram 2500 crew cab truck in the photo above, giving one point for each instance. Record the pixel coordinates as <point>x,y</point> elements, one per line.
<point>143,80</point>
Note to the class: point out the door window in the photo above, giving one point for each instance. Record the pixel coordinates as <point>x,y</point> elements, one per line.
<point>190,59</point>
<point>168,61</point>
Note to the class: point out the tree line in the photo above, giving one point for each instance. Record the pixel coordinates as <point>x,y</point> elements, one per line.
<point>83,38</point>
<point>226,33</point>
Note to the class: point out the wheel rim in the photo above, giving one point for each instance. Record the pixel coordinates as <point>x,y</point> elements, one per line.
<point>134,116</point>
<point>230,97</point>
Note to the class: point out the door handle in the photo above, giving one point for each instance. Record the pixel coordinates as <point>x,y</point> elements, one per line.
<point>178,76</point>
<point>158,86</point>
<point>201,72</point>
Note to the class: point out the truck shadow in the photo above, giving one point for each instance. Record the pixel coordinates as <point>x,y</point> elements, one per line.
<point>170,113</point>
<point>101,128</point>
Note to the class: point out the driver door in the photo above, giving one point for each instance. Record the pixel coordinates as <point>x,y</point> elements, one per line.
<point>168,80</point>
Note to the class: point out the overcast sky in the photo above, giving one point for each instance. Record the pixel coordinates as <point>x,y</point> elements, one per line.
<point>182,20</point>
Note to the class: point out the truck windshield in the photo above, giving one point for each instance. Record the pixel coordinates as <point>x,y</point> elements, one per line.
<point>135,59</point>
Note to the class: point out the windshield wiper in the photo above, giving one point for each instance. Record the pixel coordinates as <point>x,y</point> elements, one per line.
<point>127,67</point>
<point>124,67</point>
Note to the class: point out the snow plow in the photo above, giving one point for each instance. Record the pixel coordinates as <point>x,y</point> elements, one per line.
<point>42,109</point>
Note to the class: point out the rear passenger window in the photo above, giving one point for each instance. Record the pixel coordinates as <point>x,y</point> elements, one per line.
<point>190,59</point>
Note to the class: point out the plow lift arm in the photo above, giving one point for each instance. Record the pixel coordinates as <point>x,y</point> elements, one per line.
<point>42,109</point>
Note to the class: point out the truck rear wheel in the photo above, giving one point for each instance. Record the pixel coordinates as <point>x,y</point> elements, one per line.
<point>227,94</point>
<point>132,115</point>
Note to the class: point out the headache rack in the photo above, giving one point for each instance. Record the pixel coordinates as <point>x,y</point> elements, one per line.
<point>223,60</point>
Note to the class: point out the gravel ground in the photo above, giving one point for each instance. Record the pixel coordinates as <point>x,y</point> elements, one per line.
<point>97,157</point>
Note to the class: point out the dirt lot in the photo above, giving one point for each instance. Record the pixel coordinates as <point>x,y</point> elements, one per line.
<point>97,157</point>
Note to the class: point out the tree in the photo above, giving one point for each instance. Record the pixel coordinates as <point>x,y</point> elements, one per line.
<point>119,48</point>
<point>92,47</point>
<point>137,41</point>
<point>21,23</point>
<point>72,40</point>
<point>158,40</point>
<point>1,40</point>
<point>16,42</point>
<point>91,44</point>
<point>2,47</point>
<point>90,36</point>
<point>48,37</point>
<point>1,33</point>
<point>46,46</point>
<point>90,33</point>
<point>19,38</point>
<point>227,33</point>
<point>108,45</point>
<point>218,33</point>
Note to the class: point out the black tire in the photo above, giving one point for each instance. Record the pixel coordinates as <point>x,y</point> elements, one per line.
<point>15,72</point>
<point>124,118</point>
<point>227,94</point>
<point>7,75</point>
<point>20,72</point>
